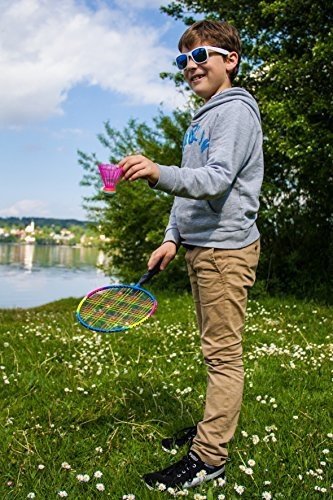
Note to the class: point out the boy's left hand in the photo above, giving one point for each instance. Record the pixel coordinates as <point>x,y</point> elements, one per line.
<point>139,167</point>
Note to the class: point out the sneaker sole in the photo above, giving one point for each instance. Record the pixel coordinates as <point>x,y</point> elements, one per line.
<point>195,482</point>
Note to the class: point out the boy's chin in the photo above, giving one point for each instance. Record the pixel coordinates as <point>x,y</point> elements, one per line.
<point>204,95</point>
<point>200,92</point>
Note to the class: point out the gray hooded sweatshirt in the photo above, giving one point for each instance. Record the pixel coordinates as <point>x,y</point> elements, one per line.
<point>217,187</point>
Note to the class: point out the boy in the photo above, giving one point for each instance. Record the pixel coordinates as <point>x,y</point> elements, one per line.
<point>214,217</point>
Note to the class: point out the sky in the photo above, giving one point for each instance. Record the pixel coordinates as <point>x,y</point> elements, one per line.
<point>67,67</point>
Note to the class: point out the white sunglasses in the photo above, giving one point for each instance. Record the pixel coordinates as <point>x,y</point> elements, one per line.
<point>199,55</point>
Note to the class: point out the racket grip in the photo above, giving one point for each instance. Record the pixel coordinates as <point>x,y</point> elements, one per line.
<point>149,274</point>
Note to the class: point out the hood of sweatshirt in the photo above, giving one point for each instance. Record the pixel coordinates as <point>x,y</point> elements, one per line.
<point>227,95</point>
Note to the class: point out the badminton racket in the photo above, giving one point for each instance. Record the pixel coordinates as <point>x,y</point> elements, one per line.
<point>115,308</point>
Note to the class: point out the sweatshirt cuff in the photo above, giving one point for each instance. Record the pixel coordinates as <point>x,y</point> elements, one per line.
<point>173,235</point>
<point>167,179</point>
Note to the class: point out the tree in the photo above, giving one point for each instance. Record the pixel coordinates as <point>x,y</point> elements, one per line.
<point>134,219</point>
<point>288,49</point>
<point>287,63</point>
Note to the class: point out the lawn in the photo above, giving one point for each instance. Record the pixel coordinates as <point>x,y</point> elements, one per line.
<point>82,414</point>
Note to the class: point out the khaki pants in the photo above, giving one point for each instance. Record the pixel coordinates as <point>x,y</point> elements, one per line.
<point>220,280</point>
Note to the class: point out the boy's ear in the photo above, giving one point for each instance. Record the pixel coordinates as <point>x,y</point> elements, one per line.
<point>232,61</point>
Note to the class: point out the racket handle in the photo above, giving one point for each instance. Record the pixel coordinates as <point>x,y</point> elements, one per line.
<point>149,274</point>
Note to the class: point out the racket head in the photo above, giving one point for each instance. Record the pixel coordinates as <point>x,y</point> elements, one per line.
<point>115,308</point>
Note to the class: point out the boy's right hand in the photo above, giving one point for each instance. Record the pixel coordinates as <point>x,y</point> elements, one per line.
<point>166,253</point>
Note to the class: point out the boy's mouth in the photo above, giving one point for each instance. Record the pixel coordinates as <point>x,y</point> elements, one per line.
<point>196,78</point>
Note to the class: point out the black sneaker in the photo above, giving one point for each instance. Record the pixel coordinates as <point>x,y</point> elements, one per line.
<point>182,437</point>
<point>187,473</point>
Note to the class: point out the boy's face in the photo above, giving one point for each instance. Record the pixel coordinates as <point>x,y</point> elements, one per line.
<point>211,77</point>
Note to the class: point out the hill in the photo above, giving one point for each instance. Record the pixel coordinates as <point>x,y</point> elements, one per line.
<point>41,221</point>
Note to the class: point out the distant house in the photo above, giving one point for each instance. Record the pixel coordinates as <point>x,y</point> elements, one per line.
<point>30,229</point>
<point>29,239</point>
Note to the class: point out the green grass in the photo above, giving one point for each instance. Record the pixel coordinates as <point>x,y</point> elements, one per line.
<point>103,403</point>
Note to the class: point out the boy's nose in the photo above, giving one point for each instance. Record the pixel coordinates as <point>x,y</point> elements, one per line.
<point>191,62</point>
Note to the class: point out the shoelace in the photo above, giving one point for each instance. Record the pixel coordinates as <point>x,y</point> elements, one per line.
<point>186,464</point>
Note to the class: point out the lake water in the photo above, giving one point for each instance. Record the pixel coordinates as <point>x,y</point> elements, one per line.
<point>32,275</point>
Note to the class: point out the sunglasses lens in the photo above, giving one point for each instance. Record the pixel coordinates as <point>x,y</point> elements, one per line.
<point>200,55</point>
<point>181,61</point>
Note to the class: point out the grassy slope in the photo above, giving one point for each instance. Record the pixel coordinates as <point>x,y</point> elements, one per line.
<point>102,403</point>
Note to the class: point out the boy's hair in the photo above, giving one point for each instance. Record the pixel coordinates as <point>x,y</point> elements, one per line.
<point>217,33</point>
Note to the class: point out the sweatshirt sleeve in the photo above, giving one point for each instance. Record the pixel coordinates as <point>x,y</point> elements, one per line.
<point>232,137</point>
<point>171,231</point>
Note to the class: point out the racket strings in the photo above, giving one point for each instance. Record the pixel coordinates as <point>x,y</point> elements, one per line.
<point>117,307</point>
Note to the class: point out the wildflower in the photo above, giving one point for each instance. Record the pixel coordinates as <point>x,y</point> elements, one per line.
<point>221,497</point>
<point>248,471</point>
<point>220,481</point>
<point>161,487</point>
<point>182,493</point>
<point>171,491</point>
<point>255,439</point>
<point>41,466</point>
<point>266,495</point>
<point>251,463</point>
<point>62,494</point>
<point>244,434</point>
<point>270,428</point>
<point>83,478</point>
<point>129,497</point>
<point>31,495</point>
<point>321,490</point>
<point>330,435</point>
<point>201,474</point>
<point>99,449</point>
<point>197,496</point>
<point>100,487</point>
<point>239,489</point>
<point>98,474</point>
<point>66,466</point>
<point>326,451</point>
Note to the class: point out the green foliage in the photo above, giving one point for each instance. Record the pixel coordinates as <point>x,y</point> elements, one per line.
<point>287,66</point>
<point>103,403</point>
<point>134,219</point>
<point>288,54</point>
<point>47,231</point>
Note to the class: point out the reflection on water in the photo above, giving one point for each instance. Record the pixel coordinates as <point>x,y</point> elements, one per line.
<point>32,275</point>
<point>30,256</point>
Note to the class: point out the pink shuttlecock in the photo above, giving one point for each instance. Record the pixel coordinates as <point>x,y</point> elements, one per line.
<point>111,175</point>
